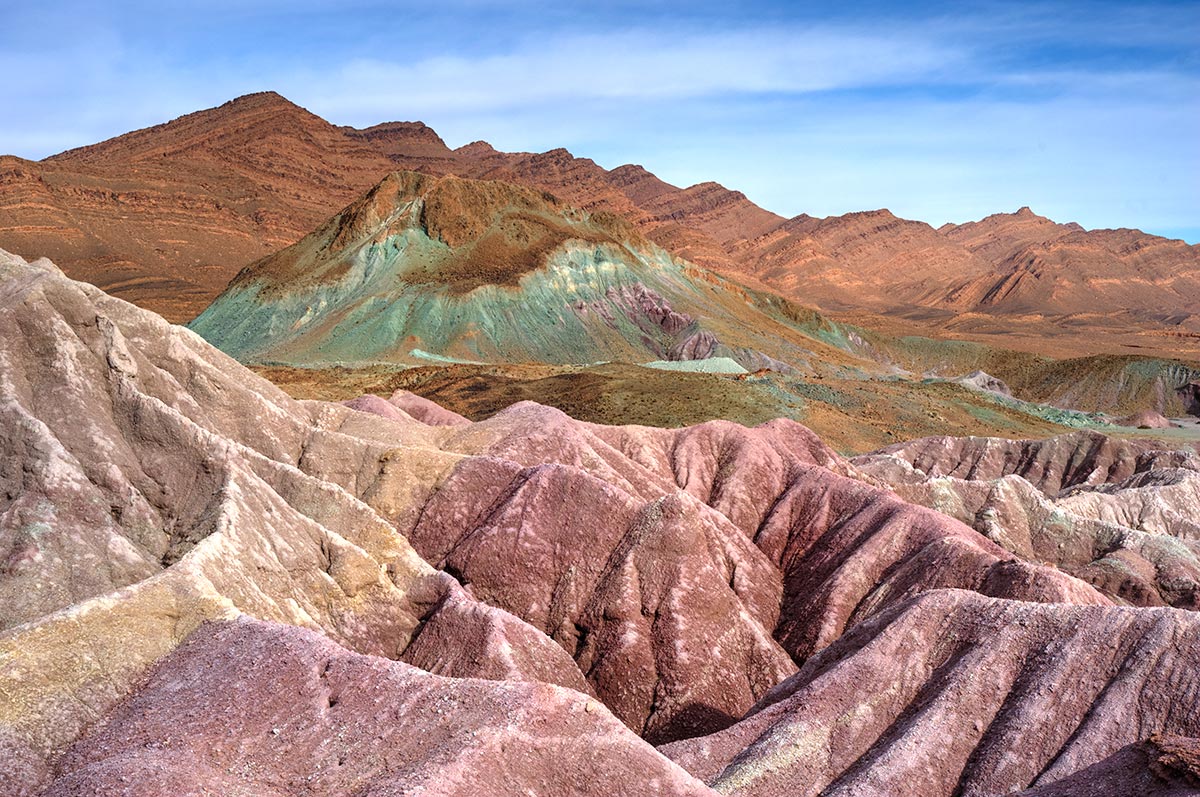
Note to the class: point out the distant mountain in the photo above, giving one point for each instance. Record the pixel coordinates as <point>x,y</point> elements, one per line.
<point>165,216</point>
<point>1038,266</point>
<point>425,268</point>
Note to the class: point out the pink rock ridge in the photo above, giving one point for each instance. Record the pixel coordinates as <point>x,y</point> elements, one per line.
<point>404,406</point>
<point>956,693</point>
<point>254,708</point>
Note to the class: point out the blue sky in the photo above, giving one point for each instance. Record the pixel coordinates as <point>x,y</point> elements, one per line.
<point>1086,112</point>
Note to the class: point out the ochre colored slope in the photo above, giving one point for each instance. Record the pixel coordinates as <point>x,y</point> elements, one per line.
<point>166,215</point>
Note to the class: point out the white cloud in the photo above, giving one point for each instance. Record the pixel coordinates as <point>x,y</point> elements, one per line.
<point>932,117</point>
<point>633,65</point>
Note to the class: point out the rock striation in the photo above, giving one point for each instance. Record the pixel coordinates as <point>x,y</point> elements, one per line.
<point>1118,514</point>
<point>967,711</point>
<point>423,269</point>
<point>211,587</point>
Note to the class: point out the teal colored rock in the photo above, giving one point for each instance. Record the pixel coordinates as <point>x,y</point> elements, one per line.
<point>449,270</point>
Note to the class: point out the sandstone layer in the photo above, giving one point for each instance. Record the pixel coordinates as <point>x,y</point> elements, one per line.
<point>209,585</point>
<point>167,215</point>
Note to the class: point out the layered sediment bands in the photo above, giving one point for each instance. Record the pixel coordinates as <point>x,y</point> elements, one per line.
<point>247,707</point>
<point>1088,291</point>
<point>422,269</point>
<point>716,587</point>
<point>1050,465</point>
<point>1117,514</point>
<point>969,709</point>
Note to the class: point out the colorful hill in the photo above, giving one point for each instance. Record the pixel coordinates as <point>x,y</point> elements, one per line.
<point>445,269</point>
<point>210,587</point>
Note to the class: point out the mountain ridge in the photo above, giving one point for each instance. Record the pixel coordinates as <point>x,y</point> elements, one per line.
<point>261,172</point>
<point>212,586</point>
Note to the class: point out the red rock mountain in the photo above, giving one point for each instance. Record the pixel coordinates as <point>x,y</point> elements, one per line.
<point>167,215</point>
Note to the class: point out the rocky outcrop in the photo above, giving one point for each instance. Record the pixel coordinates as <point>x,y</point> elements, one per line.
<point>966,712</point>
<point>1051,465</point>
<point>155,494</point>
<point>405,406</point>
<point>1126,522</point>
<point>1146,419</point>
<point>424,410</point>
<point>247,707</point>
<point>1189,394</point>
<point>742,522</point>
<point>981,380</point>
<point>1161,766</point>
<point>613,595</point>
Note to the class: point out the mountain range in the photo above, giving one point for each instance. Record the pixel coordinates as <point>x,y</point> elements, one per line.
<point>496,473</point>
<point>198,198</point>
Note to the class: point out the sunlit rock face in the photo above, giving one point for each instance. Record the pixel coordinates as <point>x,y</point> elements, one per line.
<point>1119,514</point>
<point>249,707</point>
<point>209,586</point>
<point>424,269</point>
<point>955,693</point>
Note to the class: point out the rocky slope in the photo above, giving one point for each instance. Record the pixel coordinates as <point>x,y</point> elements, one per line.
<point>277,710</point>
<point>167,215</point>
<point>1042,267</point>
<point>211,586</point>
<point>423,268</point>
<point>1118,514</point>
<point>977,675</point>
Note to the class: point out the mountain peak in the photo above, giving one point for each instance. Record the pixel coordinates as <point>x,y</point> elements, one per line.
<point>250,116</point>
<point>476,149</point>
<point>1024,213</point>
<point>881,214</point>
<point>258,99</point>
<point>402,140</point>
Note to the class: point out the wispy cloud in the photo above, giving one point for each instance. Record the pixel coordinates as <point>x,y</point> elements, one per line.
<point>636,65</point>
<point>1088,111</point>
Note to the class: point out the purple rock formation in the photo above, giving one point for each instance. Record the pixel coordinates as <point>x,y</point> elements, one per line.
<point>248,707</point>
